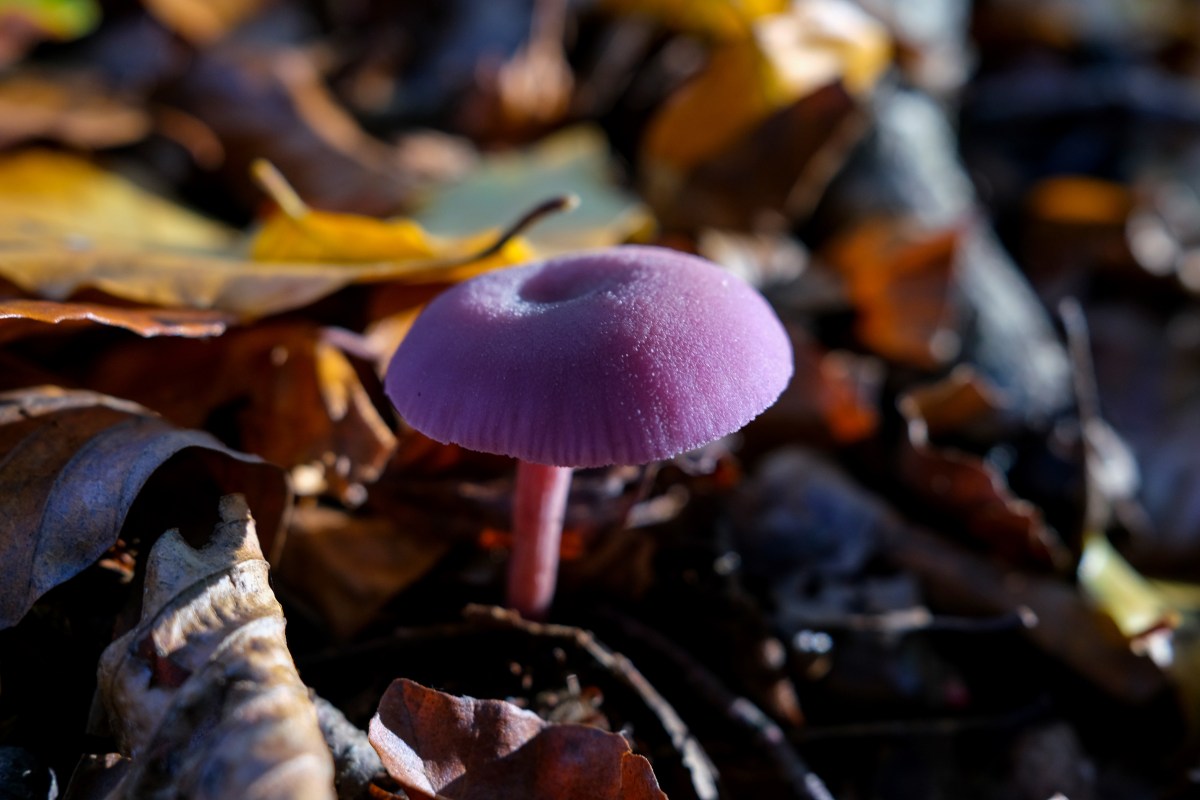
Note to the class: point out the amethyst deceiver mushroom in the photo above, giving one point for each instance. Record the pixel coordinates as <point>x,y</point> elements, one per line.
<point>617,356</point>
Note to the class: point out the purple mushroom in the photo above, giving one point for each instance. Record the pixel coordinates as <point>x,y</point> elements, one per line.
<point>617,356</point>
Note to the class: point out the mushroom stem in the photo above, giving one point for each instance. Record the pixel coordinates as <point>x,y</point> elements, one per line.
<point>538,510</point>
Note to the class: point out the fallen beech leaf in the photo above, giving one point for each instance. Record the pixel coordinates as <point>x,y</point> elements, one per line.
<point>965,487</point>
<point>66,225</point>
<point>723,19</point>
<point>202,693</point>
<point>72,108</point>
<point>814,44</point>
<point>833,396</point>
<point>297,124</point>
<point>203,21</point>
<point>439,746</point>
<point>299,233</point>
<point>900,279</point>
<point>53,194</point>
<point>23,317</point>
<point>305,409</point>
<point>572,162</point>
<point>73,466</point>
<point>775,172</point>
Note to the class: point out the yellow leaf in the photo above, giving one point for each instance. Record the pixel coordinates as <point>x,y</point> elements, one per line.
<point>723,19</point>
<point>57,19</point>
<point>1080,200</point>
<point>49,192</point>
<point>329,236</point>
<point>66,225</point>
<point>788,57</point>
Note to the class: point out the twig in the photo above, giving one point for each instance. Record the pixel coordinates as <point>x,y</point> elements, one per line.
<point>739,710</point>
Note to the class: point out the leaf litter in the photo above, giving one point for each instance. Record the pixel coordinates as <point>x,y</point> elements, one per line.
<point>946,563</point>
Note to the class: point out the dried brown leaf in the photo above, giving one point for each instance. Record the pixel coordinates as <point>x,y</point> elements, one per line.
<point>203,693</point>
<point>73,466</point>
<point>71,108</point>
<point>283,390</point>
<point>439,746</point>
<point>24,317</point>
<point>348,566</point>
<point>296,125</point>
<point>964,487</point>
<point>900,281</point>
<point>203,22</point>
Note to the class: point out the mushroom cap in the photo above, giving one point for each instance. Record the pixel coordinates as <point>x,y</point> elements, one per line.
<point>616,356</point>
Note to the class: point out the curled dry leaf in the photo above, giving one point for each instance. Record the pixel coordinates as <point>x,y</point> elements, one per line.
<point>203,22</point>
<point>900,281</point>
<point>297,125</point>
<point>721,19</point>
<point>202,693</point>
<point>71,108</point>
<point>73,467</point>
<point>795,79</point>
<point>440,747</point>
<point>306,408</point>
<point>967,488</point>
<point>20,317</point>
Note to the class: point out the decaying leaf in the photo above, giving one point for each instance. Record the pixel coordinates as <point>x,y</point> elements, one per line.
<point>202,693</point>
<point>964,486</point>
<point>833,395</point>
<point>439,746</point>
<point>71,108</point>
<point>575,161</point>
<point>804,66</point>
<point>203,22</point>
<point>347,567</point>
<point>297,124</point>
<point>306,408</point>
<point>900,281</point>
<point>73,467</point>
<point>724,19</point>
<point>791,55</point>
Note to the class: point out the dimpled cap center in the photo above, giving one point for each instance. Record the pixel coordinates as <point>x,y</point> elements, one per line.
<point>617,356</point>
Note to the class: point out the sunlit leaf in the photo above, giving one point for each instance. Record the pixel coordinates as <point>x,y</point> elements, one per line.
<point>66,225</point>
<point>717,18</point>
<point>790,56</point>
<point>21,317</point>
<point>575,161</point>
<point>202,21</point>
<point>203,693</point>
